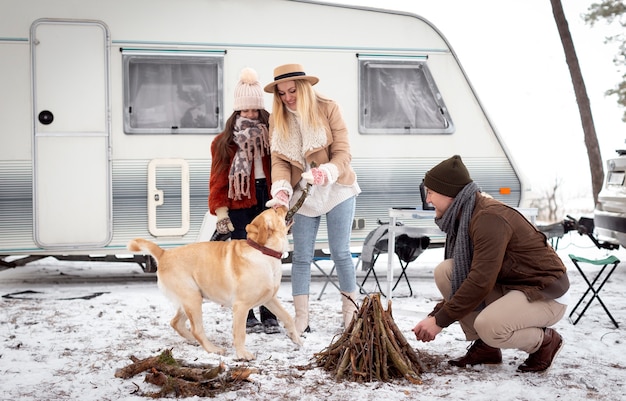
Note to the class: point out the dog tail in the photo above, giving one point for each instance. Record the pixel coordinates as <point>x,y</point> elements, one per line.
<point>140,244</point>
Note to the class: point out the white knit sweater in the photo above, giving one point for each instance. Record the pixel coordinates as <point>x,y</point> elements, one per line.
<point>323,198</point>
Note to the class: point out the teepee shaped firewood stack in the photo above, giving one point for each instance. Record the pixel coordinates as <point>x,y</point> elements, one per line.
<point>372,348</point>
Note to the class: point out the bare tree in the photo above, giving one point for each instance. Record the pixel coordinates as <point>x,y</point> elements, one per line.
<point>548,209</point>
<point>584,108</point>
<point>553,201</point>
<point>613,11</point>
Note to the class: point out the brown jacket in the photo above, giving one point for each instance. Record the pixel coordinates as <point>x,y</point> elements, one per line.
<point>508,251</point>
<point>336,150</point>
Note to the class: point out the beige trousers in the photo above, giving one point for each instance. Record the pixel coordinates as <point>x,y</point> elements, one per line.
<point>509,320</point>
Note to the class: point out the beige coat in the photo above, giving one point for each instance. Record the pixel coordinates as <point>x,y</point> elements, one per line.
<point>334,149</point>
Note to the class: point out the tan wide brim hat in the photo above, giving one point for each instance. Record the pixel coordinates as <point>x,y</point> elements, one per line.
<point>289,72</point>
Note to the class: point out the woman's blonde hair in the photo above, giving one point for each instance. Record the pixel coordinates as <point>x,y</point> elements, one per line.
<point>307,100</point>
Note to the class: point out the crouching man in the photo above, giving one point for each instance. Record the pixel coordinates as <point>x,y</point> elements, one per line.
<point>500,279</point>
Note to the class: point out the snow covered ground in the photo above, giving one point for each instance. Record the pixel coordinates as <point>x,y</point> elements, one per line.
<point>65,327</point>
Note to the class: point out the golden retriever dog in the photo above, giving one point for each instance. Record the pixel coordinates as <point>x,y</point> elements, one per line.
<point>241,274</point>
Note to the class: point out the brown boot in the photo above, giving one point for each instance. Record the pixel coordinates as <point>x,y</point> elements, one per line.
<point>541,359</point>
<point>478,353</point>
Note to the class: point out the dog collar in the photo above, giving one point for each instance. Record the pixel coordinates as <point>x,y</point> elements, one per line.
<point>265,250</point>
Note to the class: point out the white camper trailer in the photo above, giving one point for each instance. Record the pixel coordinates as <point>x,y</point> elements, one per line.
<point>109,109</point>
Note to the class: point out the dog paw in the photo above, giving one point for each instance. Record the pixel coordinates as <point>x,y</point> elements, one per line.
<point>245,355</point>
<point>216,350</point>
<point>295,338</point>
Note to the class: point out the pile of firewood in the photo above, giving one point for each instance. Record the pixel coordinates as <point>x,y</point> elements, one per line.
<point>372,348</point>
<point>182,380</point>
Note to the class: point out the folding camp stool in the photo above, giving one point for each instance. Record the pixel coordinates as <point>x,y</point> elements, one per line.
<point>407,249</point>
<point>592,288</point>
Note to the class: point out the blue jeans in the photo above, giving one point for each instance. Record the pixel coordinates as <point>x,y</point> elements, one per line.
<point>304,231</point>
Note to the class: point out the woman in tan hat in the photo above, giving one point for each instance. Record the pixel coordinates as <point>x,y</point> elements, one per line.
<point>309,143</point>
<point>240,158</point>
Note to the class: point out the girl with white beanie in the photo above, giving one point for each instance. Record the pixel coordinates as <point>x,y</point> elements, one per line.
<point>240,173</point>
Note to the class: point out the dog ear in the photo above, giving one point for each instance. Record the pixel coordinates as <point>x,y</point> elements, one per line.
<point>253,231</point>
<point>262,232</point>
<point>257,229</point>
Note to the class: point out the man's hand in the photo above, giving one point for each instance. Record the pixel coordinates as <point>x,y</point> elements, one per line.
<point>427,329</point>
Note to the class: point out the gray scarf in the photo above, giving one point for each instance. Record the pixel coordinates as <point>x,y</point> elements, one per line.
<point>458,243</point>
<point>252,138</point>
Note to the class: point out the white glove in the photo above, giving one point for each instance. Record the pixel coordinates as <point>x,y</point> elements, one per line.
<point>280,199</point>
<point>223,225</point>
<point>315,176</point>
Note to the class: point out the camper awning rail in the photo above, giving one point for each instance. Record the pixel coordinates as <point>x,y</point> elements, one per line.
<point>178,52</point>
<point>389,56</point>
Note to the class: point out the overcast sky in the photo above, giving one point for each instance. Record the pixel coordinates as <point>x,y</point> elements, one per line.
<point>513,56</point>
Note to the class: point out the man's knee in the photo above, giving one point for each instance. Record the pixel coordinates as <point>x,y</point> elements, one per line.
<point>443,277</point>
<point>490,331</point>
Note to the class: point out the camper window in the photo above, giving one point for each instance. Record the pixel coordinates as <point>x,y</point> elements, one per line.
<point>400,97</point>
<point>172,93</point>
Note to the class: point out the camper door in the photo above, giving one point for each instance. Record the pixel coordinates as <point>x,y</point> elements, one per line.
<point>71,149</point>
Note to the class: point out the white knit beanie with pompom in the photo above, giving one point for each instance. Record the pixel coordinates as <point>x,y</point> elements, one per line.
<point>248,92</point>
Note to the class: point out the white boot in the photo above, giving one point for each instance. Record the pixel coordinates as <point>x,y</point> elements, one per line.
<point>301,304</point>
<point>348,307</point>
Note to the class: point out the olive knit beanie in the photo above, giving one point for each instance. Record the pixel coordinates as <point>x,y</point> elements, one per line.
<point>248,92</point>
<point>448,177</point>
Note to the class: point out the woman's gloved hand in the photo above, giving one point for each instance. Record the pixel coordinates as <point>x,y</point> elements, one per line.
<point>223,225</point>
<point>315,176</point>
<point>280,199</point>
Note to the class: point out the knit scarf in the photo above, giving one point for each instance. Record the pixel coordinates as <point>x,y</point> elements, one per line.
<point>253,141</point>
<point>458,243</point>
